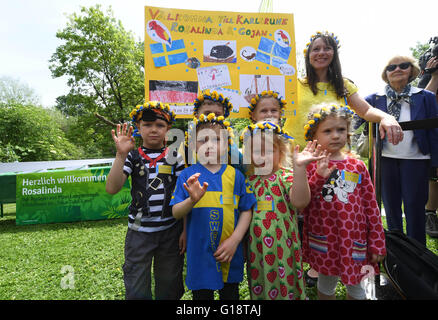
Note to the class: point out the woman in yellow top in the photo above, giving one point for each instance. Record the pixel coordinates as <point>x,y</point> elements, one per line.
<point>324,83</point>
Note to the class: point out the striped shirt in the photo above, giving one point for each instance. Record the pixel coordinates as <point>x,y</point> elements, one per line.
<point>144,165</point>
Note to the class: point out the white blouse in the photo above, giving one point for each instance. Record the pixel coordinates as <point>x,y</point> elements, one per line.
<point>408,147</point>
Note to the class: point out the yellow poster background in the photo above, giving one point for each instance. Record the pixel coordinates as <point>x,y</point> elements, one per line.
<point>236,54</point>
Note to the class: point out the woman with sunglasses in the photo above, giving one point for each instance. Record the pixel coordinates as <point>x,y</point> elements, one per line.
<point>405,167</point>
<point>324,83</point>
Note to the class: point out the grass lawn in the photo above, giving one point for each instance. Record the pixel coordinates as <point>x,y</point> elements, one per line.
<point>75,261</point>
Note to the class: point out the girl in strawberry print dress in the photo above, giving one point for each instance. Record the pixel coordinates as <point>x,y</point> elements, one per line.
<point>274,259</point>
<point>342,230</point>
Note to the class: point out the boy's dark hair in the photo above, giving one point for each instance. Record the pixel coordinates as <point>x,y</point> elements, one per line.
<point>334,70</point>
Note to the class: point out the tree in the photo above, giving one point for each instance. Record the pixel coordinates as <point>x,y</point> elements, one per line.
<point>419,49</point>
<point>32,133</point>
<point>13,91</point>
<point>103,63</point>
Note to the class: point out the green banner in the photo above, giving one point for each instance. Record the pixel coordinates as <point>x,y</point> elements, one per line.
<point>66,196</point>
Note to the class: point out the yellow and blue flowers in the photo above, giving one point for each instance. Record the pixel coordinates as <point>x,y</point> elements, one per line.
<point>320,115</point>
<point>319,34</point>
<point>158,107</point>
<point>269,93</point>
<point>213,96</point>
<point>265,126</point>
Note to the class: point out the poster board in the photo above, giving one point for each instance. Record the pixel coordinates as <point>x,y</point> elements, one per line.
<point>68,196</point>
<point>236,54</point>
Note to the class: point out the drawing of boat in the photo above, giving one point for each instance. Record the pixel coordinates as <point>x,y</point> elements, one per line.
<point>259,84</point>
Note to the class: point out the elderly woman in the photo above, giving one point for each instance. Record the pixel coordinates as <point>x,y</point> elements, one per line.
<point>405,166</point>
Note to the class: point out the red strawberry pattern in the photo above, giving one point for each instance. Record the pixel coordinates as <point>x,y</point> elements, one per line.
<point>276,190</point>
<point>274,250</point>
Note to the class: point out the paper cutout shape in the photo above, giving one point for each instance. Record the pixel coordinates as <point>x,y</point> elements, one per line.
<point>213,77</point>
<point>223,51</point>
<point>248,53</point>
<point>270,52</point>
<point>287,70</point>
<point>253,84</point>
<point>173,91</point>
<point>158,32</point>
<point>236,99</point>
<point>282,37</point>
<point>165,55</point>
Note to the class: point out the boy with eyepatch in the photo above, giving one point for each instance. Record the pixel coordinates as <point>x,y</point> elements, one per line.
<point>153,233</point>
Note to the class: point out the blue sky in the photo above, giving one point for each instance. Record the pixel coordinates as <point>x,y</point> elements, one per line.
<point>370,32</point>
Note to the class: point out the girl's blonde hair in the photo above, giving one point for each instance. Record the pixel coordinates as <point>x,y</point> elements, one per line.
<point>318,113</point>
<point>280,139</point>
<point>266,95</point>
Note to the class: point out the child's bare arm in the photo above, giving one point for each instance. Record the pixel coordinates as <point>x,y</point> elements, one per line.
<point>225,251</point>
<point>299,193</point>
<point>124,142</point>
<point>180,210</point>
<point>116,178</point>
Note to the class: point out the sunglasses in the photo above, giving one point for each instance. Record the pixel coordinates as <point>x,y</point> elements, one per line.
<point>402,66</point>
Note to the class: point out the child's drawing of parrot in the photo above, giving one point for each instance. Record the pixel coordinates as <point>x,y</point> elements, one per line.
<point>160,32</point>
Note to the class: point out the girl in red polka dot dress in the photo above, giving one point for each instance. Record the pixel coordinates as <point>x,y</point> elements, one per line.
<point>342,230</point>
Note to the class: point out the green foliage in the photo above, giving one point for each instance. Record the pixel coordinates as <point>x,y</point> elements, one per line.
<point>419,49</point>
<point>32,133</point>
<point>7,153</point>
<point>103,63</point>
<point>105,70</point>
<point>12,91</point>
<point>239,124</point>
<point>33,258</point>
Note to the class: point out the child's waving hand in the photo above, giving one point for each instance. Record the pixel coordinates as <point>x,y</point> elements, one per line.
<point>124,140</point>
<point>193,187</point>
<point>322,166</point>
<point>312,152</point>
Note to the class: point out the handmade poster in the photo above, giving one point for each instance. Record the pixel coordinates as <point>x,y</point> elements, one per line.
<point>67,196</point>
<point>188,51</point>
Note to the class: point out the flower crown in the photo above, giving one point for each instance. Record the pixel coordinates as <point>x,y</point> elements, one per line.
<point>213,96</point>
<point>211,118</point>
<point>320,115</point>
<point>137,113</point>
<point>264,126</point>
<point>318,35</point>
<point>269,93</point>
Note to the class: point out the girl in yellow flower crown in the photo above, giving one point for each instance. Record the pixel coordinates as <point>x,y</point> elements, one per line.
<point>342,228</point>
<point>274,258</point>
<point>267,105</point>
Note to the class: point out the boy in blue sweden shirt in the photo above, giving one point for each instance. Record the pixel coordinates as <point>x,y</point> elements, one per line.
<point>218,204</point>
